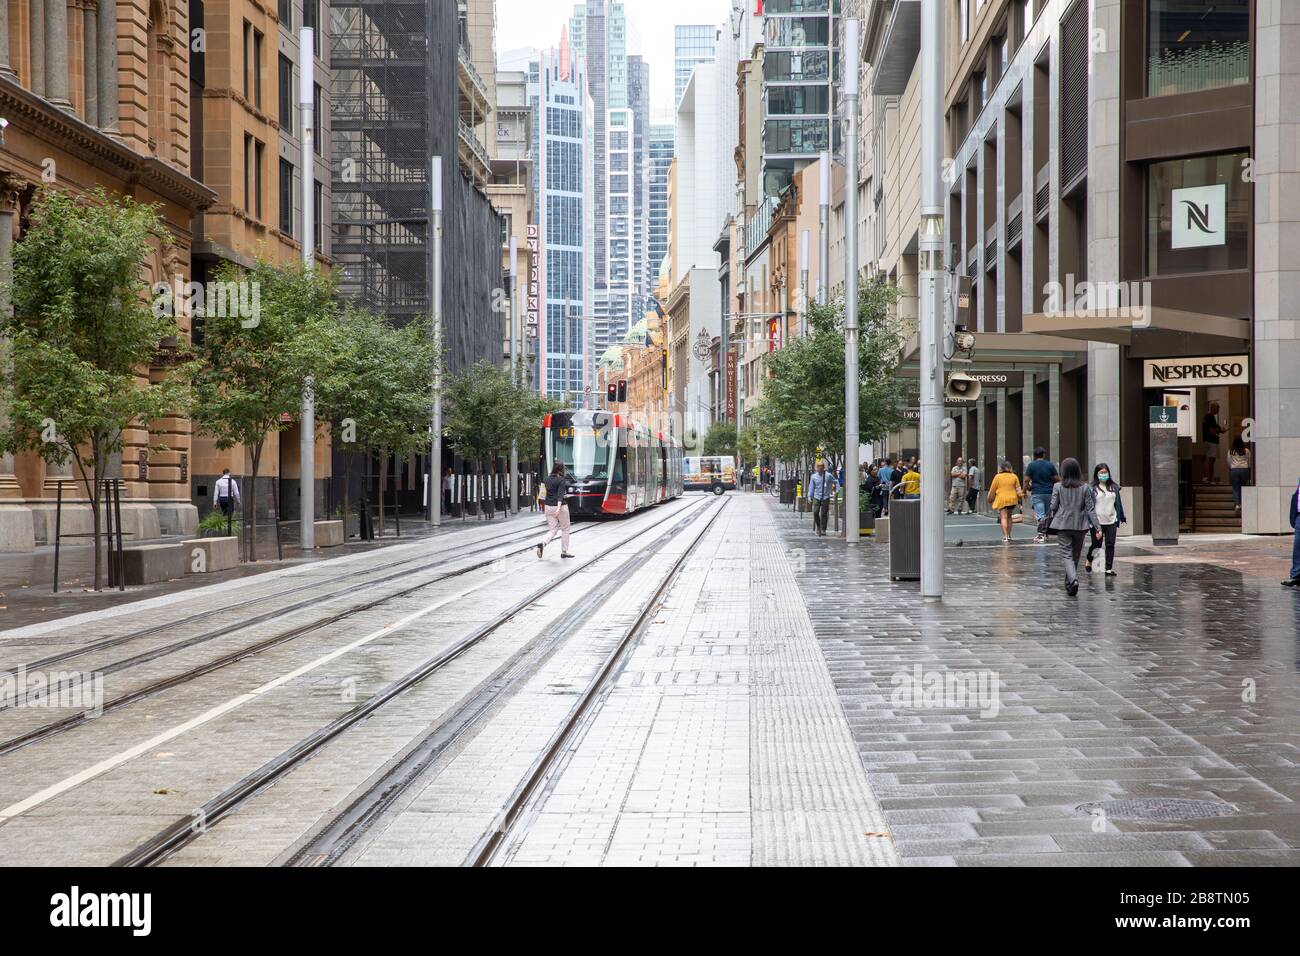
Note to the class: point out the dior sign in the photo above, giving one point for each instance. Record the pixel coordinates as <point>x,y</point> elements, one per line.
<point>1191,372</point>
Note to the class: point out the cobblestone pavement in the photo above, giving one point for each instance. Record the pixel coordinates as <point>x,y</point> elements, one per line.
<point>1176,679</point>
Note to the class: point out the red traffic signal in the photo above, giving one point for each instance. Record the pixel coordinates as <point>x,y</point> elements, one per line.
<point>622,391</point>
<point>611,393</point>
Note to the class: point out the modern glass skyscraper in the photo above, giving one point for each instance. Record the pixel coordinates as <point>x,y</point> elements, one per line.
<point>561,154</point>
<point>618,86</point>
<point>799,73</point>
<point>692,43</point>
<point>661,158</point>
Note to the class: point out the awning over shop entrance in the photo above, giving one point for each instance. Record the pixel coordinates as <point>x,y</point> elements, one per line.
<point>1105,326</point>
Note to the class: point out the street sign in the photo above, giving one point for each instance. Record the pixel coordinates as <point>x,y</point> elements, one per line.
<point>1163,416</point>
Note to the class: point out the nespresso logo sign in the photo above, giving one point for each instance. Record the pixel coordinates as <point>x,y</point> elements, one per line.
<point>1189,372</point>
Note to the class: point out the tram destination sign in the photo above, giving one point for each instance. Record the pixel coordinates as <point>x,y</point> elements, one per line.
<point>1191,372</point>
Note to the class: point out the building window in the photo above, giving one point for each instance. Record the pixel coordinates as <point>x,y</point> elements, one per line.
<point>310,17</point>
<point>253,155</point>
<point>1193,45</point>
<point>257,68</point>
<point>248,173</point>
<point>286,197</point>
<point>286,94</point>
<point>1198,215</point>
<point>284,9</point>
<point>316,134</point>
<point>318,206</point>
<point>248,62</point>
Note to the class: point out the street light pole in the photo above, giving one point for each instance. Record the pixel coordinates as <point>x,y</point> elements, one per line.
<point>803,282</point>
<point>824,260</point>
<point>307,418</point>
<point>852,61</point>
<point>514,375</point>
<point>931,272</point>
<point>435,303</point>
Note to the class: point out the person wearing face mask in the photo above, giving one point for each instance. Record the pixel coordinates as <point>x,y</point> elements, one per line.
<point>1110,515</point>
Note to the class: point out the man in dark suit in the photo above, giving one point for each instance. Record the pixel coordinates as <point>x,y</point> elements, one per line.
<point>1294,580</point>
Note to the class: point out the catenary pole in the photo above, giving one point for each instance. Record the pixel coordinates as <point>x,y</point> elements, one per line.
<point>852,62</point>
<point>307,419</point>
<point>514,374</point>
<point>435,304</point>
<point>824,259</point>
<point>931,269</point>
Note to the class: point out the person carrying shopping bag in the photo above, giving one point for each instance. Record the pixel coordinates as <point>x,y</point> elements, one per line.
<point>1110,513</point>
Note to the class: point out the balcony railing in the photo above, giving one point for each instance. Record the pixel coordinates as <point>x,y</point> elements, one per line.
<point>471,140</point>
<point>467,64</point>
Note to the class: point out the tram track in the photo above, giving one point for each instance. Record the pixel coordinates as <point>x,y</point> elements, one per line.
<point>485,850</point>
<point>331,842</point>
<point>52,689</point>
<point>73,721</point>
<point>140,633</point>
<point>166,842</point>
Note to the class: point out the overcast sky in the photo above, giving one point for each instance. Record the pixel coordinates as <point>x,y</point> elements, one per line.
<point>536,23</point>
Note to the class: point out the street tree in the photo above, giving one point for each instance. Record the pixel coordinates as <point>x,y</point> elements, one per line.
<point>720,439</point>
<point>248,381</point>
<point>83,339</point>
<point>376,389</point>
<point>802,409</point>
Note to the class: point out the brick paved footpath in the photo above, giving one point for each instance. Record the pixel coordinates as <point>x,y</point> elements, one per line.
<point>1170,680</point>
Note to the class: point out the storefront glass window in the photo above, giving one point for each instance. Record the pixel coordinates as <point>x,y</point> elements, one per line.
<point>1198,215</point>
<point>1197,45</point>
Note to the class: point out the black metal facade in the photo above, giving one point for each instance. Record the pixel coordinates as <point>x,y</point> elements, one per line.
<point>395,106</point>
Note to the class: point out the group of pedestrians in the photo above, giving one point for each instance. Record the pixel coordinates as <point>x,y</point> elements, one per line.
<point>966,483</point>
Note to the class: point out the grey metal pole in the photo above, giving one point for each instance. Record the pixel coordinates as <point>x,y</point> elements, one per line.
<point>824,260</point>
<point>931,269</point>
<point>852,62</point>
<point>307,420</point>
<point>514,373</point>
<point>435,303</point>
<point>804,241</point>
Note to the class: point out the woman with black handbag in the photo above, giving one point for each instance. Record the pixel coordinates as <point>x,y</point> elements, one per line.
<point>1072,512</point>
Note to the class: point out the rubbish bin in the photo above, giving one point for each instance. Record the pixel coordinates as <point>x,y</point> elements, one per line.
<point>787,491</point>
<point>905,539</point>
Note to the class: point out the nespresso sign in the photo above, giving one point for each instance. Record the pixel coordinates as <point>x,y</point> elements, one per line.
<point>997,379</point>
<point>1190,372</point>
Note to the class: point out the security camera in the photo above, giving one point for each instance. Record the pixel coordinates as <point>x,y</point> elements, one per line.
<point>962,386</point>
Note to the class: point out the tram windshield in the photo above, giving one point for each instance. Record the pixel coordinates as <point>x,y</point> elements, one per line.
<point>586,453</point>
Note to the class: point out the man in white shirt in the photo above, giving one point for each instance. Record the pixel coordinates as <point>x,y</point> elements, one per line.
<point>226,493</point>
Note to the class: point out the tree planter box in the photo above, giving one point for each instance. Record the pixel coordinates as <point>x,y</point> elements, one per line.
<point>329,534</point>
<point>205,555</point>
<point>151,563</point>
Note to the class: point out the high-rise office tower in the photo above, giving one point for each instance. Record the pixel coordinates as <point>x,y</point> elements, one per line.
<point>692,43</point>
<point>561,159</point>
<point>618,88</point>
<point>800,70</point>
<point>661,158</point>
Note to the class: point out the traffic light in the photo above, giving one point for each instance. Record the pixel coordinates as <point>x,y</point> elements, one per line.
<point>611,393</point>
<point>622,390</point>
<point>664,369</point>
